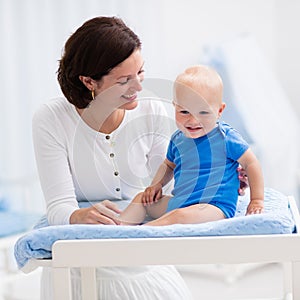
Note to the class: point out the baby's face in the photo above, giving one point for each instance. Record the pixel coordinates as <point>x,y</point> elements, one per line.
<point>196,116</point>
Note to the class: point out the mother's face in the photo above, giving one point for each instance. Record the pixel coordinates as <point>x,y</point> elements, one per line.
<point>121,85</point>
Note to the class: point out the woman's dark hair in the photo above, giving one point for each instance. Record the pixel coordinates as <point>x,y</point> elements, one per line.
<point>96,47</point>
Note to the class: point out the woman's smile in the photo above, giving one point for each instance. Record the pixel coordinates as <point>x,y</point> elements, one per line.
<point>130,97</point>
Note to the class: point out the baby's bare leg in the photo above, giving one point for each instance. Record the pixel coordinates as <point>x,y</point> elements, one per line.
<point>194,214</point>
<point>157,209</point>
<point>135,212</point>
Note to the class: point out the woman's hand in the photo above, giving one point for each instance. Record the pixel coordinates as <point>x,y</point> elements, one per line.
<point>243,181</point>
<point>105,212</point>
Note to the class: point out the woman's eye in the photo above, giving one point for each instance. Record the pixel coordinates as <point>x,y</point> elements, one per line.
<point>123,82</point>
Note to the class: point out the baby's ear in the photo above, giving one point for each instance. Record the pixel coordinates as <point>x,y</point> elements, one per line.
<point>221,108</point>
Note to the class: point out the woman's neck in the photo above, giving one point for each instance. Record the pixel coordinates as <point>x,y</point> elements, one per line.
<point>113,121</point>
<point>105,122</point>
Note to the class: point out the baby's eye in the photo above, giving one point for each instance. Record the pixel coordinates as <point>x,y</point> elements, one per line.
<point>184,112</point>
<point>203,112</point>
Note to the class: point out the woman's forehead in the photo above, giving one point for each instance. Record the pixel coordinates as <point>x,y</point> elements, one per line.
<point>130,66</point>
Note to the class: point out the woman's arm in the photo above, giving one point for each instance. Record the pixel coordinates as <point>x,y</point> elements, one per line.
<point>52,164</point>
<point>52,158</point>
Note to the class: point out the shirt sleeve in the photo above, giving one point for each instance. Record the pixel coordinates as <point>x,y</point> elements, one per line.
<point>53,168</point>
<point>170,152</point>
<point>235,144</point>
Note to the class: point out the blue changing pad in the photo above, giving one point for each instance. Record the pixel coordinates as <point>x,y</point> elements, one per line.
<point>277,219</point>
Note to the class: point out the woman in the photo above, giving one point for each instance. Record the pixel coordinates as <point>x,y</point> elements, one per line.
<point>100,143</point>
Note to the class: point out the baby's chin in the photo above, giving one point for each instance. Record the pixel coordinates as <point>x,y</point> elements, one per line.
<point>193,135</point>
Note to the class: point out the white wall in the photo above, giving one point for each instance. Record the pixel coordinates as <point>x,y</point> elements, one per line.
<point>287,64</point>
<point>32,34</point>
<point>187,26</point>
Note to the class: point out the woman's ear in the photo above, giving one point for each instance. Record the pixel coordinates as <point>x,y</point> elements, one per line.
<point>88,82</point>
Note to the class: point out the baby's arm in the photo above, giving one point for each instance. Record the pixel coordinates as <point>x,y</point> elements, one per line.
<point>256,182</point>
<point>163,175</point>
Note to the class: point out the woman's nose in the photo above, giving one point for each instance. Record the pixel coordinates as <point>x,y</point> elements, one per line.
<point>137,83</point>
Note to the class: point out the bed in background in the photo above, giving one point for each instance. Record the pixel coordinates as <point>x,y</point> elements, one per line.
<point>270,237</point>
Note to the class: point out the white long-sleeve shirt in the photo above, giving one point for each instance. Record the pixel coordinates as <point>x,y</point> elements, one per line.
<point>77,163</point>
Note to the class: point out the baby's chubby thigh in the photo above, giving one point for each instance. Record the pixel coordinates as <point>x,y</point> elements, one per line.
<point>206,212</point>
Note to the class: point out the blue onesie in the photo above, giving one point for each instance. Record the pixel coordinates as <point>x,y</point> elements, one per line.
<point>205,170</point>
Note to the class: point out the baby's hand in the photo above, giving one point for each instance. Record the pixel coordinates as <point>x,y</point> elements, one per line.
<point>255,207</point>
<point>152,194</point>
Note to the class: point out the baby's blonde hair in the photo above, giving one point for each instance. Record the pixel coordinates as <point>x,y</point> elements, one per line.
<point>204,81</point>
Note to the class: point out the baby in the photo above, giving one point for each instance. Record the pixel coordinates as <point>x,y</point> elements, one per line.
<point>203,157</point>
